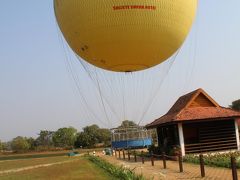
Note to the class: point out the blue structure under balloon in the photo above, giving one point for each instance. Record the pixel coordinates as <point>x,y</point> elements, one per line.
<point>138,143</point>
<point>131,137</point>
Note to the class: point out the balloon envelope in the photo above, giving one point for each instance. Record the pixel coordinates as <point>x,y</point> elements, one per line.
<point>125,35</point>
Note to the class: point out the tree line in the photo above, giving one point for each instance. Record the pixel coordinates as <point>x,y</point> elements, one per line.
<point>63,138</point>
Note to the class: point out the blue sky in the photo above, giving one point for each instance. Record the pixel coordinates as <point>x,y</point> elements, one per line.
<point>37,90</point>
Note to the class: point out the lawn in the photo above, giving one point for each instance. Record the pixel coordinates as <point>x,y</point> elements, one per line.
<point>13,164</point>
<point>30,155</point>
<point>13,156</point>
<point>76,168</point>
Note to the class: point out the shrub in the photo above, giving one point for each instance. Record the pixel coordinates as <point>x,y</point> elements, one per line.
<point>118,172</point>
<point>155,149</point>
<point>215,159</point>
<point>20,144</point>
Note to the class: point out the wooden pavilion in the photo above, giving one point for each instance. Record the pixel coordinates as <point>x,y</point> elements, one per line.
<point>196,123</point>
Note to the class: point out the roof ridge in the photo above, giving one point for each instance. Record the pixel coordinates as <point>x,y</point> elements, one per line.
<point>195,94</point>
<point>180,110</point>
<point>183,101</point>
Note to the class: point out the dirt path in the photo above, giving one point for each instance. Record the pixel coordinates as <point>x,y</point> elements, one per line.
<point>191,171</point>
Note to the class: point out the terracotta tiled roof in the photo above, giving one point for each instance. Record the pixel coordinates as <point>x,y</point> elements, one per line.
<point>206,113</point>
<point>182,102</point>
<point>181,111</point>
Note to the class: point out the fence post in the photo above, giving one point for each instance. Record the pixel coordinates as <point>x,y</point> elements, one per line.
<point>234,168</point>
<point>202,165</point>
<point>152,159</point>
<point>115,150</point>
<point>142,157</point>
<point>180,162</point>
<point>135,156</point>
<point>164,160</point>
<point>119,153</point>
<point>123,154</point>
<point>128,155</point>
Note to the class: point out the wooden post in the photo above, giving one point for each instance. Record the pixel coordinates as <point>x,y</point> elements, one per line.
<point>129,155</point>
<point>119,153</point>
<point>180,162</point>
<point>135,156</point>
<point>123,154</point>
<point>111,151</point>
<point>152,160</point>
<point>115,152</point>
<point>234,168</point>
<point>164,160</point>
<point>202,165</point>
<point>142,157</point>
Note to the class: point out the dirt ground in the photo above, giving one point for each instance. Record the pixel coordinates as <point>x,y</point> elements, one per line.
<point>156,172</point>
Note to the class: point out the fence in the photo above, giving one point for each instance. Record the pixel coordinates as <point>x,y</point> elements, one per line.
<point>164,157</point>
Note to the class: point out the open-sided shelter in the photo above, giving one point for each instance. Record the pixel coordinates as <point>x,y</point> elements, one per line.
<point>196,123</point>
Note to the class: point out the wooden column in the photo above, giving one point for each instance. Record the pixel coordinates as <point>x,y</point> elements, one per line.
<point>237,134</point>
<point>181,138</point>
<point>234,168</point>
<point>123,154</point>
<point>135,156</point>
<point>201,160</point>
<point>142,157</point>
<point>152,160</point>
<point>164,160</point>
<point>115,152</point>
<point>180,160</point>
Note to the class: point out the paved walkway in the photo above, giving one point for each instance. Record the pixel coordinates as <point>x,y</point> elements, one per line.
<point>191,171</point>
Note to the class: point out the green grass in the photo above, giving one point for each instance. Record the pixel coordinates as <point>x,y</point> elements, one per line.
<point>118,172</point>
<point>81,168</point>
<point>13,164</point>
<point>30,155</point>
<point>33,155</point>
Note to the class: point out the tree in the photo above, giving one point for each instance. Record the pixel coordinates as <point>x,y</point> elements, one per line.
<point>84,140</point>
<point>91,130</point>
<point>45,138</point>
<point>1,146</point>
<point>20,144</point>
<point>32,142</point>
<point>65,137</point>
<point>92,135</point>
<point>127,123</point>
<point>6,146</point>
<point>235,105</point>
<point>104,136</point>
<point>89,136</point>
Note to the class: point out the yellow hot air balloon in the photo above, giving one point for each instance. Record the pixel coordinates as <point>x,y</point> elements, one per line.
<point>125,35</point>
